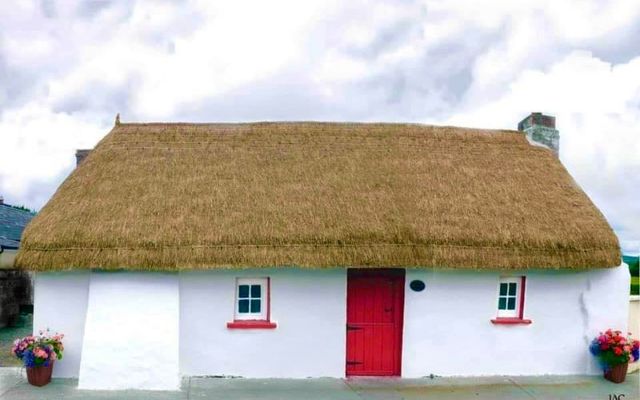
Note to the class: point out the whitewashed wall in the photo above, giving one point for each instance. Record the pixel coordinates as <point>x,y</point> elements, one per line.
<point>309,307</point>
<point>605,303</point>
<point>60,304</point>
<point>131,335</point>
<point>448,329</point>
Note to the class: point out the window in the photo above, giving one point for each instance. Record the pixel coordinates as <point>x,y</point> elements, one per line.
<point>511,291</point>
<point>252,304</point>
<point>251,295</point>
<point>508,297</point>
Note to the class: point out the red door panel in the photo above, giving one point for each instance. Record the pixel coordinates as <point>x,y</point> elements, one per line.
<point>375,302</point>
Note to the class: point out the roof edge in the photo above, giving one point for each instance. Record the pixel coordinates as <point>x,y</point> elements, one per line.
<point>315,256</point>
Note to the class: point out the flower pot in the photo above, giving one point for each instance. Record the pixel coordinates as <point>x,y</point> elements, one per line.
<point>617,373</point>
<point>40,375</point>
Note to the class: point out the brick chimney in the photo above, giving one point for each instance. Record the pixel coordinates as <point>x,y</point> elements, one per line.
<point>81,154</point>
<point>541,129</point>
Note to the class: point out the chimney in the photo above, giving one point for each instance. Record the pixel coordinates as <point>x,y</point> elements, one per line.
<point>81,154</point>
<point>541,129</point>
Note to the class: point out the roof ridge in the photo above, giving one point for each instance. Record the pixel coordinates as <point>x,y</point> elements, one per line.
<point>315,122</point>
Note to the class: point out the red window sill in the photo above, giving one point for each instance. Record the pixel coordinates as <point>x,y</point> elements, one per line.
<point>251,325</point>
<point>511,321</point>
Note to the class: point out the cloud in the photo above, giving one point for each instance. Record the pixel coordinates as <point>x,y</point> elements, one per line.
<point>37,152</point>
<point>597,109</point>
<point>67,67</point>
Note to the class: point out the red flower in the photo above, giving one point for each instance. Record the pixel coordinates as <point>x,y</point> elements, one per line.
<point>617,351</point>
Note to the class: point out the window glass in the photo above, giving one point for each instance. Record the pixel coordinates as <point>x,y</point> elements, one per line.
<point>502,303</point>
<point>243,291</point>
<point>243,306</point>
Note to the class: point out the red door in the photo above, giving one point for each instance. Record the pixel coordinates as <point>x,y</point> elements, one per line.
<point>375,303</point>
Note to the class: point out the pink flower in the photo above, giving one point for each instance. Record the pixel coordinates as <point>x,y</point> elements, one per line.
<point>40,353</point>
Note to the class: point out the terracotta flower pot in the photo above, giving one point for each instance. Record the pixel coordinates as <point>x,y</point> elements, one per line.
<point>617,373</point>
<point>40,375</point>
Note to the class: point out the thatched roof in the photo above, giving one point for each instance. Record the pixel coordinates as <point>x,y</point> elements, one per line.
<point>178,196</point>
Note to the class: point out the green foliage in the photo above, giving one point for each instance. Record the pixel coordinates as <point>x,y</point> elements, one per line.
<point>610,359</point>
<point>634,270</point>
<point>23,208</point>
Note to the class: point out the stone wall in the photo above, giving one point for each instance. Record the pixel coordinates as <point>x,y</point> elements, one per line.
<point>546,136</point>
<point>15,292</point>
<point>541,129</point>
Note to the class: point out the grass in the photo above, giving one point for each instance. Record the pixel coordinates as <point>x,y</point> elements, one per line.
<point>23,327</point>
<point>634,269</point>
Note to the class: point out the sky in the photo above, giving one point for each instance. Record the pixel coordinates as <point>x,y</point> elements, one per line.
<point>67,68</point>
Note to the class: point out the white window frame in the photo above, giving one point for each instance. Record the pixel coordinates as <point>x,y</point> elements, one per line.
<point>263,315</point>
<point>515,313</point>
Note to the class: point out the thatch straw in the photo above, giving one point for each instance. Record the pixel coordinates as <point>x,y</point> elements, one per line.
<point>178,196</point>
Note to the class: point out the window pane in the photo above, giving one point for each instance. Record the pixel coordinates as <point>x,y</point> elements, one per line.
<point>255,291</point>
<point>512,289</point>
<point>502,303</point>
<point>243,291</point>
<point>243,306</point>
<point>503,289</point>
<point>255,306</point>
<point>512,303</point>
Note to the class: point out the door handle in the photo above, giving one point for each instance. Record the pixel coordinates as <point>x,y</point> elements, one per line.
<point>354,362</point>
<point>353,328</point>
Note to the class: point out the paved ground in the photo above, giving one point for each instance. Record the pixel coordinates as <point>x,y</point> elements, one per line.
<point>14,386</point>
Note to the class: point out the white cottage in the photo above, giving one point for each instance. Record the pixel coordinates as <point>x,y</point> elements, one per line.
<point>321,250</point>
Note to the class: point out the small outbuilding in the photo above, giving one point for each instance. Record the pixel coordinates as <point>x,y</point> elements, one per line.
<point>309,249</point>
